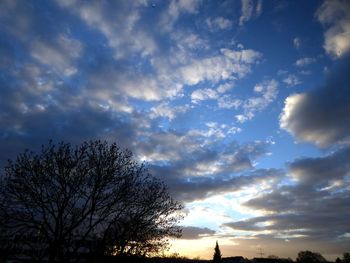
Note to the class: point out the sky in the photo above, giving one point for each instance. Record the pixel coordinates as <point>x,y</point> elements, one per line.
<point>242,107</point>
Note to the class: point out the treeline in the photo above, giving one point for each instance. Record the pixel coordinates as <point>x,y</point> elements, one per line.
<point>302,257</point>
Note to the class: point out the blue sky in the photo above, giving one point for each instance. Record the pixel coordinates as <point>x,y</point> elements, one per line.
<point>241,107</point>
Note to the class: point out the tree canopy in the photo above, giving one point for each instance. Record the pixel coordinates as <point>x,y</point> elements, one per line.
<point>346,257</point>
<point>93,199</point>
<point>310,257</point>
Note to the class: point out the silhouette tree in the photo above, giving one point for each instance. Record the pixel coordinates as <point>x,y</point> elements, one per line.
<point>93,198</point>
<point>217,254</point>
<point>310,257</point>
<point>346,257</point>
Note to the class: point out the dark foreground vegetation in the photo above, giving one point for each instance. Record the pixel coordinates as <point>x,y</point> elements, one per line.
<point>83,204</point>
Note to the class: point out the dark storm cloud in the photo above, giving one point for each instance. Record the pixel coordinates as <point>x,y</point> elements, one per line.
<point>191,232</point>
<point>316,206</point>
<point>322,116</point>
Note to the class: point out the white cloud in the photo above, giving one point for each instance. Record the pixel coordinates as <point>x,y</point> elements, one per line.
<point>213,133</point>
<point>60,54</point>
<point>189,6</point>
<point>175,9</point>
<point>291,80</point>
<point>258,8</point>
<point>164,146</point>
<point>148,88</point>
<point>243,118</point>
<point>203,94</point>
<point>268,92</point>
<point>227,102</point>
<point>188,41</point>
<point>229,64</point>
<point>336,15</point>
<point>172,146</point>
<point>215,130</point>
<point>166,111</point>
<point>305,72</point>
<point>225,87</point>
<point>305,61</point>
<point>244,56</point>
<point>119,28</point>
<point>281,72</point>
<point>109,82</point>
<point>213,69</point>
<point>103,101</point>
<point>247,11</point>
<point>218,23</point>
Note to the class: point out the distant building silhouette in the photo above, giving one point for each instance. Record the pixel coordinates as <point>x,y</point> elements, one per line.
<point>238,259</point>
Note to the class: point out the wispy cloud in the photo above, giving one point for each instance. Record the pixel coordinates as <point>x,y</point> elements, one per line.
<point>203,94</point>
<point>174,10</point>
<point>165,110</point>
<point>297,42</point>
<point>218,23</point>
<point>249,10</point>
<point>60,54</point>
<point>267,92</point>
<point>228,65</point>
<point>119,28</point>
<point>291,80</point>
<point>301,62</point>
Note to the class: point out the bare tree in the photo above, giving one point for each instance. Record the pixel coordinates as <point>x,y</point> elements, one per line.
<point>93,198</point>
